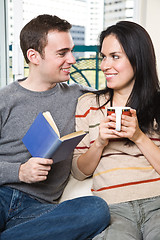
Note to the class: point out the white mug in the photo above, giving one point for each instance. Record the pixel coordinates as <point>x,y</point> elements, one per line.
<point>118,111</point>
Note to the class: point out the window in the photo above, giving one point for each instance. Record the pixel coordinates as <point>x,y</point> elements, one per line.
<point>3,44</point>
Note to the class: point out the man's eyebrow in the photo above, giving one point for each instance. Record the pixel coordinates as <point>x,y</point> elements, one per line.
<point>64,49</point>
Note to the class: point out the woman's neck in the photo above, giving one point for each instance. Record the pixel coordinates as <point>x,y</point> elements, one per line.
<point>119,99</point>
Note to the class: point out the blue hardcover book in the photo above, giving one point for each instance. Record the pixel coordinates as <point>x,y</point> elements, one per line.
<point>43,139</point>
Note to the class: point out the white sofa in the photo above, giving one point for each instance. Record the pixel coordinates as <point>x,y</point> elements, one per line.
<point>76,188</point>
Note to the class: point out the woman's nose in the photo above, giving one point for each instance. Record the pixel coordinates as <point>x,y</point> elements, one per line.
<point>105,64</point>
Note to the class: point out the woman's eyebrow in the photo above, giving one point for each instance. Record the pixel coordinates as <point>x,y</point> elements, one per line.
<point>111,53</point>
<point>101,54</point>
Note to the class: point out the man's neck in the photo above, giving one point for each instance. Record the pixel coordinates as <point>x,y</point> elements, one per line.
<point>37,86</point>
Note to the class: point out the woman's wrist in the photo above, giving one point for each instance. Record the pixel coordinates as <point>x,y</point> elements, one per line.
<point>140,139</point>
<point>100,144</point>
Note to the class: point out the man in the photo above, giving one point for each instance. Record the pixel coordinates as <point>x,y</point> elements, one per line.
<point>31,187</point>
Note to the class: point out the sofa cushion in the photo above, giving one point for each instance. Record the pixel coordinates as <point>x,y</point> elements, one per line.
<point>76,188</point>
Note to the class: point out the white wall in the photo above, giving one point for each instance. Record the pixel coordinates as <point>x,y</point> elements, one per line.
<point>150,19</point>
<point>153,27</point>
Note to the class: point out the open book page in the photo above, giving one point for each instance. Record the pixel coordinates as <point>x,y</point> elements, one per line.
<point>72,135</point>
<point>42,139</point>
<point>49,118</point>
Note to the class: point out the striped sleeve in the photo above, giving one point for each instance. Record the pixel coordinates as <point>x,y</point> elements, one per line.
<point>82,123</point>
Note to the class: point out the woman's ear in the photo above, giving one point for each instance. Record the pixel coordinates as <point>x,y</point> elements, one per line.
<point>33,56</point>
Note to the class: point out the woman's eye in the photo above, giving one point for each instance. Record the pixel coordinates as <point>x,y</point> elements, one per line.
<point>102,56</point>
<point>115,56</point>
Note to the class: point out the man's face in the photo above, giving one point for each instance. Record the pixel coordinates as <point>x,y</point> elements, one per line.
<point>56,64</point>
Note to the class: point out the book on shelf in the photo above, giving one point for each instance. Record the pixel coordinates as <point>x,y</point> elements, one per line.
<point>43,139</point>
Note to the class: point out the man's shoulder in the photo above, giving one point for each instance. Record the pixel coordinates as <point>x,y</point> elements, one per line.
<point>71,86</point>
<point>7,89</point>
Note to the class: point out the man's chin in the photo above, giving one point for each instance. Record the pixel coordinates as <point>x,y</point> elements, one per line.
<point>65,79</point>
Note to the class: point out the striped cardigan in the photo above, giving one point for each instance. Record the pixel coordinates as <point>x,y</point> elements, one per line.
<point>123,173</point>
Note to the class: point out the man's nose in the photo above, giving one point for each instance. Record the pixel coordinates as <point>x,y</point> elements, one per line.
<point>71,58</point>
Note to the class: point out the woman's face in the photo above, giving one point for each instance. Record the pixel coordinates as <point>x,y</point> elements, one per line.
<point>115,64</point>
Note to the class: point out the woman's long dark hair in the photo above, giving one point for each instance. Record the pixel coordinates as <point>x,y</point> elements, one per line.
<point>145,97</point>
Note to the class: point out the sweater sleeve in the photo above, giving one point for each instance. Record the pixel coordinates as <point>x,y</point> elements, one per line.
<point>9,171</point>
<point>81,119</point>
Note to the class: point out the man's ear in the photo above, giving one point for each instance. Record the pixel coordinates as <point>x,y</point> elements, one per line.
<point>33,56</point>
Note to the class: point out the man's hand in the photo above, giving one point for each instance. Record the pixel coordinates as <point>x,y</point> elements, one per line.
<point>35,170</point>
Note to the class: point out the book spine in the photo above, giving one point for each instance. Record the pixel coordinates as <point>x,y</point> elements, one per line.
<point>53,148</point>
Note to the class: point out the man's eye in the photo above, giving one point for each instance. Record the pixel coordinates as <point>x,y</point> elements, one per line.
<point>62,54</point>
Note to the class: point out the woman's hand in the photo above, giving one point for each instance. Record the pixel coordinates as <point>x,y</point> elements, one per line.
<point>129,126</point>
<point>106,132</point>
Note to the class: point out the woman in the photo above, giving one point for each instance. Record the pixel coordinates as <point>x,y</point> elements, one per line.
<point>125,164</point>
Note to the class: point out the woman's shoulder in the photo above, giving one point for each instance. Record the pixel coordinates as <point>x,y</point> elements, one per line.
<point>91,99</point>
<point>87,97</point>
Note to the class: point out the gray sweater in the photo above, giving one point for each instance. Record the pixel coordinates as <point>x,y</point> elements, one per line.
<point>18,109</point>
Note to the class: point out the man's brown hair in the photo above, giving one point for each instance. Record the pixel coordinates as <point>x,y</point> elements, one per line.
<point>34,34</point>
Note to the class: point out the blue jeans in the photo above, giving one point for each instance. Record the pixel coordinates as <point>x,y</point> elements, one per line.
<point>135,220</point>
<point>22,217</point>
